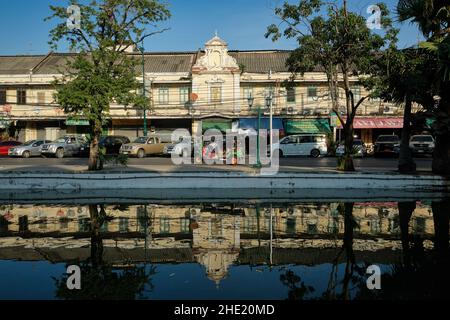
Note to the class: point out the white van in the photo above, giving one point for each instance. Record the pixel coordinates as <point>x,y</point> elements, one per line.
<point>314,145</point>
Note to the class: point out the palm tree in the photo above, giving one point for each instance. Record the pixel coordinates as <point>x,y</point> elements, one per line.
<point>426,14</point>
<point>433,19</point>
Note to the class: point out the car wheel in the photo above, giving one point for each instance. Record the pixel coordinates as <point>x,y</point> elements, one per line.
<point>280,154</point>
<point>59,153</point>
<point>26,154</point>
<point>315,153</point>
<point>141,154</point>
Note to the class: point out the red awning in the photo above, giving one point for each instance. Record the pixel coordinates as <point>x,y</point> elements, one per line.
<point>378,123</point>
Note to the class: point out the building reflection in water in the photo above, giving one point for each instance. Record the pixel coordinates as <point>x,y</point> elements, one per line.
<point>220,236</point>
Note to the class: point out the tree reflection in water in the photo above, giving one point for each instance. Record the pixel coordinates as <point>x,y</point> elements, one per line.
<point>103,281</point>
<point>421,273</point>
<point>353,273</point>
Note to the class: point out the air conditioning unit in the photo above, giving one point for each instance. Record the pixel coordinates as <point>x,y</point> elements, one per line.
<point>389,110</point>
<point>290,110</point>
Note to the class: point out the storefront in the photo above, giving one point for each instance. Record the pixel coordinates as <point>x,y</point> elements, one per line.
<point>133,128</point>
<point>305,126</point>
<point>369,128</point>
<point>252,124</point>
<point>218,124</point>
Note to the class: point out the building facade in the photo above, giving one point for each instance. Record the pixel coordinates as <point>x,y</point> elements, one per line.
<point>191,90</point>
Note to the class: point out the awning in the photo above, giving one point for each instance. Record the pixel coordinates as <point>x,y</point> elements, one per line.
<point>308,126</point>
<point>74,122</point>
<point>4,123</point>
<point>218,124</point>
<point>252,123</point>
<point>378,123</point>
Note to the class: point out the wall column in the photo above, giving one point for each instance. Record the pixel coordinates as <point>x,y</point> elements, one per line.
<point>30,131</point>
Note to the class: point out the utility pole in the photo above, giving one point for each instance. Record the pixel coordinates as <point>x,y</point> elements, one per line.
<point>271,118</point>
<point>143,89</point>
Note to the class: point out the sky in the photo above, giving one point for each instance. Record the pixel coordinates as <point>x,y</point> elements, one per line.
<point>241,23</point>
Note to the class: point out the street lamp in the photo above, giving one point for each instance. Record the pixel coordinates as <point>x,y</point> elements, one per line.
<point>269,105</point>
<point>143,89</point>
<point>251,100</point>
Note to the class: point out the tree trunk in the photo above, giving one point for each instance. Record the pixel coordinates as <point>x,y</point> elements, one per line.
<point>406,162</point>
<point>441,218</point>
<point>94,163</point>
<point>348,165</point>
<point>96,240</point>
<point>405,209</point>
<point>349,226</point>
<point>441,155</point>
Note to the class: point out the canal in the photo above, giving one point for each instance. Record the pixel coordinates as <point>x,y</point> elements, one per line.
<point>211,249</point>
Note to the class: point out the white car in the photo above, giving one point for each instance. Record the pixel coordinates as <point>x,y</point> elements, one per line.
<point>359,149</point>
<point>314,145</point>
<point>422,144</point>
<point>182,148</point>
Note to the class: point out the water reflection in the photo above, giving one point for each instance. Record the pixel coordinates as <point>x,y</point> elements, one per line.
<point>246,251</point>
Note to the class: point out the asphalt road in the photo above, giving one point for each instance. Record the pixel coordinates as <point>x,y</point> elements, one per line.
<point>165,164</point>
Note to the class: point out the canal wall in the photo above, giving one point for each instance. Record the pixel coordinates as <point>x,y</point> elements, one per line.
<point>62,182</point>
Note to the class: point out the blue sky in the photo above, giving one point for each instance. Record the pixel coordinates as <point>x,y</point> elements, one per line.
<point>242,23</point>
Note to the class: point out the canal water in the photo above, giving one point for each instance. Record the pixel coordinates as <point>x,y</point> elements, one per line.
<point>211,250</point>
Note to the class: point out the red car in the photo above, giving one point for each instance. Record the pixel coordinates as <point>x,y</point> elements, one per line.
<point>6,145</point>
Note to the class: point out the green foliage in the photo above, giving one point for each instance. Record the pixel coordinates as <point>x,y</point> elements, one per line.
<point>121,159</point>
<point>108,283</point>
<point>339,38</point>
<point>339,43</point>
<point>400,73</point>
<point>102,72</point>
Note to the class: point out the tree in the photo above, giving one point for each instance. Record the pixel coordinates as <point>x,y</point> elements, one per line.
<point>341,44</point>
<point>101,280</point>
<point>102,72</point>
<point>404,77</point>
<point>433,19</point>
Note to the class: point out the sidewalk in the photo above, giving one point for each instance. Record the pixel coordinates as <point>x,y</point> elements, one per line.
<point>164,168</point>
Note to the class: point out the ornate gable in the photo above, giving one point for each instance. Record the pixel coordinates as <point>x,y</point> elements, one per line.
<point>216,58</point>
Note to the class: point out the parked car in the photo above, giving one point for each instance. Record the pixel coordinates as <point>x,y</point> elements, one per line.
<point>183,148</point>
<point>28,149</point>
<point>144,146</point>
<point>6,145</point>
<point>422,144</point>
<point>111,144</point>
<point>314,145</point>
<point>65,146</point>
<point>359,149</point>
<point>387,144</point>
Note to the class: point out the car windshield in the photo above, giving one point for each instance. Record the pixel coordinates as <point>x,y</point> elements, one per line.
<point>60,140</point>
<point>387,139</point>
<point>357,143</point>
<point>141,140</point>
<point>422,139</point>
<point>29,143</point>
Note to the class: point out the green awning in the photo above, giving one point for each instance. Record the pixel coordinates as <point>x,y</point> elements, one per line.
<point>429,122</point>
<point>74,122</point>
<point>4,123</point>
<point>308,126</point>
<point>222,125</point>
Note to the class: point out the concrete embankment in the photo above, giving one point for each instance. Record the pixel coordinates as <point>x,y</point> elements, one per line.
<point>220,180</point>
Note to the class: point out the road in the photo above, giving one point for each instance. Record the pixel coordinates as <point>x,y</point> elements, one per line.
<point>166,165</point>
